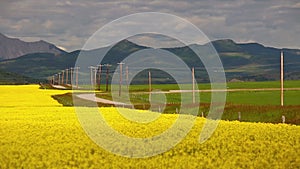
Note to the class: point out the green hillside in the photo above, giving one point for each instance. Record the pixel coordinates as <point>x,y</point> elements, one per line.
<point>13,78</point>
<point>247,62</point>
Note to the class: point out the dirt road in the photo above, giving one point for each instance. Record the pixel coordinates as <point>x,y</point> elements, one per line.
<point>93,98</point>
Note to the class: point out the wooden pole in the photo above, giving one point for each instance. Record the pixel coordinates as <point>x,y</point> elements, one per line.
<point>281,79</point>
<point>107,72</point>
<point>193,83</point>
<point>150,87</point>
<point>283,118</point>
<point>62,77</point>
<point>120,82</point>
<point>67,76</point>
<point>127,77</point>
<point>55,79</point>
<point>77,71</point>
<point>91,72</point>
<point>107,76</point>
<point>95,76</point>
<point>58,78</point>
<point>72,76</point>
<point>99,76</point>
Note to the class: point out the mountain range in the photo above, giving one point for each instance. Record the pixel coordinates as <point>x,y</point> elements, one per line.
<point>241,61</point>
<point>11,48</point>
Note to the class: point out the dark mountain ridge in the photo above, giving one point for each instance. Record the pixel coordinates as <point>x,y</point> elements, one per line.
<point>11,48</point>
<point>247,62</point>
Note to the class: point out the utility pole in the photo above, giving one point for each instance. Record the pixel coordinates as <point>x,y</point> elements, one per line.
<point>127,77</point>
<point>72,76</point>
<point>52,80</point>
<point>91,72</point>
<point>55,79</point>
<point>62,77</point>
<point>281,78</point>
<point>59,80</point>
<point>107,75</point>
<point>67,76</point>
<point>150,87</point>
<point>120,82</point>
<point>193,83</point>
<point>99,75</point>
<point>77,71</point>
<point>95,77</point>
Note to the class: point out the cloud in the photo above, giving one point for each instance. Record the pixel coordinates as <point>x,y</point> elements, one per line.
<point>70,23</point>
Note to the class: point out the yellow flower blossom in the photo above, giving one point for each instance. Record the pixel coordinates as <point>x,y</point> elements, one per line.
<point>37,132</point>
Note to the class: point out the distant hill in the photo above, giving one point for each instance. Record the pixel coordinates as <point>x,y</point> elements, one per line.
<point>247,62</point>
<point>11,48</point>
<point>13,78</point>
<point>39,65</point>
<point>253,61</point>
<point>43,65</point>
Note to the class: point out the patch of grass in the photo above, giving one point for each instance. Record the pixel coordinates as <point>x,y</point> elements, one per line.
<point>249,113</point>
<point>263,97</point>
<point>262,113</point>
<point>203,86</point>
<point>266,84</point>
<point>240,97</point>
<point>255,106</point>
<point>68,100</point>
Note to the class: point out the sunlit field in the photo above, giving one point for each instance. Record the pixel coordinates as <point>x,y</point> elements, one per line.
<point>38,132</point>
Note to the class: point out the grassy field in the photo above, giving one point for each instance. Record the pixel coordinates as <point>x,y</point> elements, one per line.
<point>38,132</point>
<point>240,97</point>
<point>265,109</point>
<point>201,86</point>
<point>254,106</point>
<point>230,85</point>
<point>264,97</point>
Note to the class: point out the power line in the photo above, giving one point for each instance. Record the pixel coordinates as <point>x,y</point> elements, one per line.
<point>226,67</point>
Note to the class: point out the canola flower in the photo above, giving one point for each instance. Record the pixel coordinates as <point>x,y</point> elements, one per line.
<point>37,132</point>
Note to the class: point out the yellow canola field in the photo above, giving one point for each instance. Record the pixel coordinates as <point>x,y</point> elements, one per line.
<point>37,132</point>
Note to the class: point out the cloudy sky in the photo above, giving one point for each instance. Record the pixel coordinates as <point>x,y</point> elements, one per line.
<point>69,24</point>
